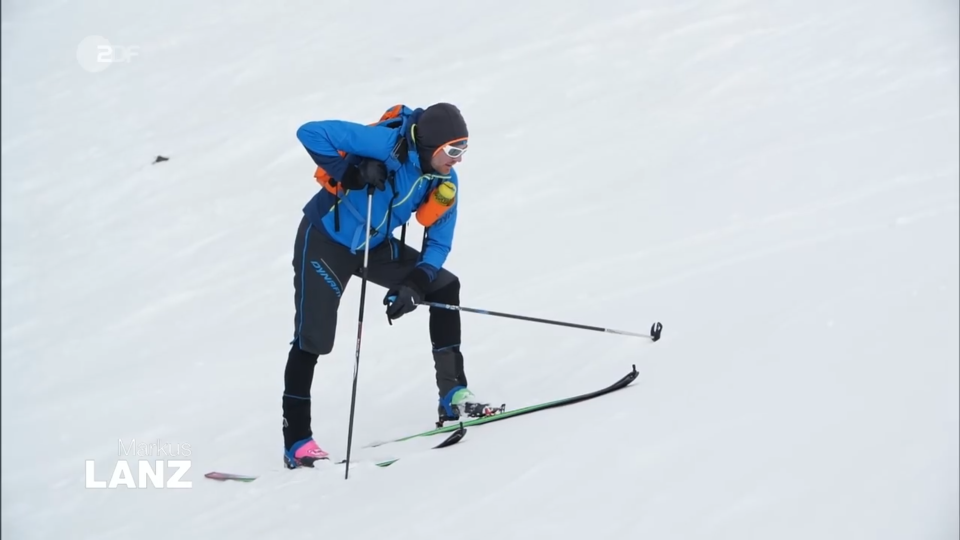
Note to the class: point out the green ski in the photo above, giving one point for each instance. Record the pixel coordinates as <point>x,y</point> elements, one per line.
<point>622,383</point>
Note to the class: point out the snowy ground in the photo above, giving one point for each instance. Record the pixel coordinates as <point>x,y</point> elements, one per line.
<point>778,183</point>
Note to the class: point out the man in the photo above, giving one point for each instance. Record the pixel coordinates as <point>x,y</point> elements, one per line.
<point>406,161</point>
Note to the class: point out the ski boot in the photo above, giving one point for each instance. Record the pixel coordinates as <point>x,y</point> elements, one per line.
<point>303,453</point>
<point>462,403</point>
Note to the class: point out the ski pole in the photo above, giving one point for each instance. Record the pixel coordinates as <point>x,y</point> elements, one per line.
<point>654,334</point>
<point>363,294</point>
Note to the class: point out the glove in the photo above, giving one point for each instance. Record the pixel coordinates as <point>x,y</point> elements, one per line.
<point>403,298</point>
<point>369,172</point>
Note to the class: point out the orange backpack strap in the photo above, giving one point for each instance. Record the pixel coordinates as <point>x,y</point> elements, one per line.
<point>324,179</point>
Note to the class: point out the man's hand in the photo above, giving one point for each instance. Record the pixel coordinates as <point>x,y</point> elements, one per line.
<point>403,298</point>
<point>369,172</point>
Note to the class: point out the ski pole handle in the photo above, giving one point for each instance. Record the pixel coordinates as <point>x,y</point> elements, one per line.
<point>654,334</point>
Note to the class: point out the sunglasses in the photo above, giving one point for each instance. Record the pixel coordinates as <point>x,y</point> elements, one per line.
<point>454,149</point>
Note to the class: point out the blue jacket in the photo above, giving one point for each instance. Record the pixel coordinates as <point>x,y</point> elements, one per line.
<point>322,141</point>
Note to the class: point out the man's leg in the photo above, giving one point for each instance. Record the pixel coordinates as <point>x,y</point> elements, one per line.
<point>445,333</point>
<point>321,271</point>
<point>388,270</point>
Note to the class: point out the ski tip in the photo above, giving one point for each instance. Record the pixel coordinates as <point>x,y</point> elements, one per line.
<point>454,437</point>
<point>629,377</point>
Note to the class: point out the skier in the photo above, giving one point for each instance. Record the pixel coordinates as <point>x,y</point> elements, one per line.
<point>407,159</point>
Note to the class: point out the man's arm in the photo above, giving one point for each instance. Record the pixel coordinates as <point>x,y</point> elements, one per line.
<point>405,297</point>
<point>439,239</point>
<point>323,139</point>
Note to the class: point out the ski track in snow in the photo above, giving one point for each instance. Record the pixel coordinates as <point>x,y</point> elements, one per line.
<point>777,183</point>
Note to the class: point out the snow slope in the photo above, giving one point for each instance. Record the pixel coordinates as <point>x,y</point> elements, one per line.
<point>778,183</point>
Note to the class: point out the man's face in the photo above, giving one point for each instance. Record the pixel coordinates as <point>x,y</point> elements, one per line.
<point>448,155</point>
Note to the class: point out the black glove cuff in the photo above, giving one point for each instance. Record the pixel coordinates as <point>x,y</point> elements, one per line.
<point>351,178</point>
<point>418,280</point>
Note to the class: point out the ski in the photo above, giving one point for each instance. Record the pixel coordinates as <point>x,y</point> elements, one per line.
<point>451,440</point>
<point>222,476</point>
<point>459,430</point>
<point>622,383</point>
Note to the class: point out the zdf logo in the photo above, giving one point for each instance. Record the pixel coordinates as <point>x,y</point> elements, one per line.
<point>96,53</point>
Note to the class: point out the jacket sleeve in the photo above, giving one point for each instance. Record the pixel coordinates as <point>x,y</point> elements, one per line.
<point>439,238</point>
<point>323,139</point>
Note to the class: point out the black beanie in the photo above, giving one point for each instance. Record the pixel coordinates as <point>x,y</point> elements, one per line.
<point>440,123</point>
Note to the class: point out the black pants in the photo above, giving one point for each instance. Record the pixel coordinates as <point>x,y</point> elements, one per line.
<point>322,269</point>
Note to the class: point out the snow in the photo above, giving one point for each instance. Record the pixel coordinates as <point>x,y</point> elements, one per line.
<point>778,183</point>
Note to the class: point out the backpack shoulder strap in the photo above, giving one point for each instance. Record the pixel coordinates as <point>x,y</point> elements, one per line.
<point>397,117</point>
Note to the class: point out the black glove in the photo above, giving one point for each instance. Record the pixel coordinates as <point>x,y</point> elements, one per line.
<point>369,172</point>
<point>403,298</point>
